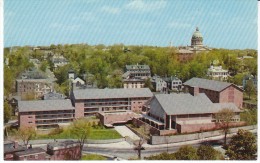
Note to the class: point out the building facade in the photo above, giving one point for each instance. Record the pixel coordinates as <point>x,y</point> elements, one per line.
<point>44,114</point>
<point>184,113</point>
<point>134,83</point>
<point>173,83</point>
<point>217,73</point>
<point>217,91</point>
<point>109,101</point>
<point>138,71</point>
<point>158,83</point>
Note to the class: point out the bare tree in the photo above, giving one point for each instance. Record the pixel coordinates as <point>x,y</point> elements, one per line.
<point>139,147</point>
<point>224,117</point>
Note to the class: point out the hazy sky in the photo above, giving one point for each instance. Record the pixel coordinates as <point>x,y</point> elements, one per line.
<point>223,23</point>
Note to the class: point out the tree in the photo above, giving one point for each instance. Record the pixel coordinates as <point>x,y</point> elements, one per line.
<point>7,112</point>
<point>81,128</point>
<point>26,134</point>
<point>162,156</point>
<point>224,117</point>
<point>186,152</point>
<point>44,66</point>
<point>242,146</point>
<point>249,87</point>
<point>207,152</point>
<point>148,84</point>
<point>138,146</point>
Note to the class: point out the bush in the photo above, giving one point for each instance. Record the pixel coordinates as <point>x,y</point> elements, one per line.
<point>56,131</point>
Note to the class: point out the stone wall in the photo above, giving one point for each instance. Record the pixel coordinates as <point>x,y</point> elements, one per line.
<point>181,138</point>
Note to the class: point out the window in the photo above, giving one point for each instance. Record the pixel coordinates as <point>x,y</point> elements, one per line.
<point>30,122</point>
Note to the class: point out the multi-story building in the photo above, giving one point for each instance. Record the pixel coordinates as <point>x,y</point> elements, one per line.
<point>134,83</point>
<point>109,102</point>
<point>158,83</point>
<point>173,83</point>
<point>45,114</point>
<point>35,87</point>
<point>217,91</point>
<point>184,113</point>
<point>138,71</point>
<point>186,53</point>
<point>217,73</point>
<point>59,61</point>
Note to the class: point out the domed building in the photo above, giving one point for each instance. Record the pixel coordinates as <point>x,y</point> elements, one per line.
<point>186,53</point>
<point>197,38</point>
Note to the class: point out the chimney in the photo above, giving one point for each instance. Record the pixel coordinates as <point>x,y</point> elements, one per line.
<point>196,91</point>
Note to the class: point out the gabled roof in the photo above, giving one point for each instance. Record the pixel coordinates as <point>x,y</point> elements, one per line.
<point>44,105</point>
<point>137,67</point>
<point>179,104</point>
<point>111,93</point>
<point>209,84</point>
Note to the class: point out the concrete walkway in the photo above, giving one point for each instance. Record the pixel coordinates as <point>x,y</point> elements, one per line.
<point>124,131</point>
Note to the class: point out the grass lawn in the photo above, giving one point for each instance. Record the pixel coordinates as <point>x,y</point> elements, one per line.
<point>94,134</point>
<point>93,157</point>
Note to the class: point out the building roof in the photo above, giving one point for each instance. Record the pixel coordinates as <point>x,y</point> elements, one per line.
<point>30,151</point>
<point>179,104</point>
<point>208,84</point>
<point>184,51</point>
<point>44,105</point>
<point>197,34</point>
<point>62,145</point>
<point>137,67</point>
<point>111,93</point>
<point>35,80</point>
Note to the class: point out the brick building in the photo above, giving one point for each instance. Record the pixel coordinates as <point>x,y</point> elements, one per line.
<point>66,150</point>
<point>109,102</point>
<point>45,113</point>
<point>30,154</point>
<point>217,91</point>
<point>180,113</point>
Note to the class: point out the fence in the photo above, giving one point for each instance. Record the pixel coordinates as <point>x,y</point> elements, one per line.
<point>181,138</point>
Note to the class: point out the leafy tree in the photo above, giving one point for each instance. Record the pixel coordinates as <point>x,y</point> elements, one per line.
<point>242,146</point>
<point>162,156</point>
<point>81,128</point>
<point>249,116</point>
<point>7,112</point>
<point>26,134</point>
<point>250,88</point>
<point>186,152</point>
<point>206,152</point>
<point>44,66</point>
<point>148,84</point>
<point>224,118</point>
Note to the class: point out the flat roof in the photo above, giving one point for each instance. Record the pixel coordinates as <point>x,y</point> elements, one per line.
<point>30,151</point>
<point>112,93</point>
<point>44,105</point>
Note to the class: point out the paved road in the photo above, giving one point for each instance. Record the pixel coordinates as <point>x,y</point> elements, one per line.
<point>124,131</point>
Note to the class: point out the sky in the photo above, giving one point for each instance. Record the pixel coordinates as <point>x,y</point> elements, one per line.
<point>228,24</point>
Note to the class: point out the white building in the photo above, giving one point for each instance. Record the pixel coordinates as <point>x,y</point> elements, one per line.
<point>218,73</point>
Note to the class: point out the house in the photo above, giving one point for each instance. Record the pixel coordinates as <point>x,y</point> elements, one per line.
<point>53,96</point>
<point>158,83</point>
<point>66,150</point>
<point>181,113</point>
<point>10,147</point>
<point>59,61</point>
<point>217,91</point>
<point>139,71</point>
<point>44,114</point>
<point>217,73</point>
<point>173,83</point>
<point>13,101</point>
<point>108,103</point>
<point>30,154</point>
<point>134,83</point>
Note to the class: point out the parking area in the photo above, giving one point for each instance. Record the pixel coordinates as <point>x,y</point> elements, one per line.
<point>124,131</point>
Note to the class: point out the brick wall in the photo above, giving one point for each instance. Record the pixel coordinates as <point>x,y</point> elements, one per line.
<point>25,119</point>
<point>79,109</point>
<point>137,105</point>
<point>72,153</point>
<point>232,94</point>
<point>38,156</point>
<point>117,117</point>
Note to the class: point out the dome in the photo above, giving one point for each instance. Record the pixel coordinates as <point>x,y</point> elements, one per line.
<point>197,34</point>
